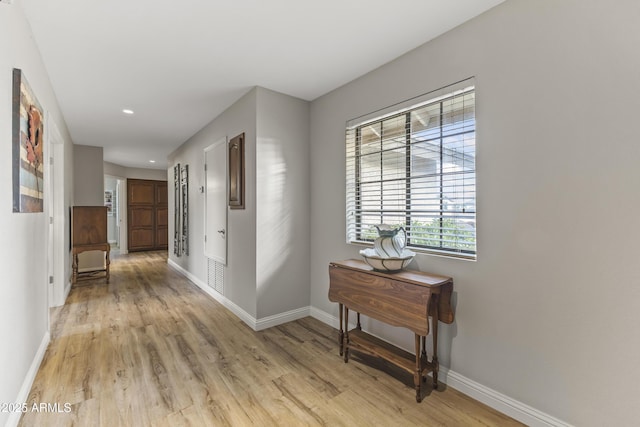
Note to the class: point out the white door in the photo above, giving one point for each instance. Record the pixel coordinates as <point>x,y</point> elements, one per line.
<point>216,235</point>
<point>58,286</point>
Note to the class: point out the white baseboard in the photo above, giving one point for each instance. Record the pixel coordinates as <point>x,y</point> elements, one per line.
<point>498,401</point>
<point>255,324</point>
<point>67,289</point>
<point>324,317</point>
<point>279,319</point>
<point>23,394</point>
<point>199,283</point>
<point>239,312</point>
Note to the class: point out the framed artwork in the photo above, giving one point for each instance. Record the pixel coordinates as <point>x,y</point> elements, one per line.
<point>28,147</point>
<point>108,201</point>
<point>236,172</point>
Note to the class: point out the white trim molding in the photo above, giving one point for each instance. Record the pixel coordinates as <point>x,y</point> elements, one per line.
<point>199,283</point>
<point>252,322</point>
<point>23,394</point>
<point>498,401</point>
<point>279,319</point>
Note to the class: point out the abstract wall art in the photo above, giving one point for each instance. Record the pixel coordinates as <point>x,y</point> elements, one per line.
<point>28,147</point>
<point>181,210</point>
<point>177,210</point>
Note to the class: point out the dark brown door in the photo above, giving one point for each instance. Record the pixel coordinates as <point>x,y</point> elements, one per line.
<point>147,214</point>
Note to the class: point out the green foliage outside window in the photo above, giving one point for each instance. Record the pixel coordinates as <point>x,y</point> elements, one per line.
<point>459,235</point>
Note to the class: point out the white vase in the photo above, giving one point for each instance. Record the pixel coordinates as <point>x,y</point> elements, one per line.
<point>390,244</point>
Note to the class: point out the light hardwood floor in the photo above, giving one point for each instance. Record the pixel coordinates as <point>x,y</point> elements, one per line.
<point>151,349</point>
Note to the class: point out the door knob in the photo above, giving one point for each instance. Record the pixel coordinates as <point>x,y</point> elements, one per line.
<point>221,231</point>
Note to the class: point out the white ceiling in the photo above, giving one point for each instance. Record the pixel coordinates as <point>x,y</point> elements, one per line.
<point>178,64</point>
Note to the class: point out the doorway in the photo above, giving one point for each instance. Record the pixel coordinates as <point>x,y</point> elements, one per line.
<point>148,215</point>
<point>113,187</point>
<point>58,265</point>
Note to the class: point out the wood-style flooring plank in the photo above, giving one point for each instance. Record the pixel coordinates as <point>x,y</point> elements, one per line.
<point>152,349</point>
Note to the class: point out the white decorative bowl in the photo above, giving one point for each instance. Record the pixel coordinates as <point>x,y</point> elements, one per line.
<point>388,264</point>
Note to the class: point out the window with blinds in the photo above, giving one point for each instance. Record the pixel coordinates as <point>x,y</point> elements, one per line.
<point>413,165</point>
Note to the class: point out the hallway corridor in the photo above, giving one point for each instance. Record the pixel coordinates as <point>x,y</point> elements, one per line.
<point>151,349</point>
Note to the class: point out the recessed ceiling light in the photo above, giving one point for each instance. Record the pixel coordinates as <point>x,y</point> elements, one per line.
<point>152,161</point>
<point>127,111</point>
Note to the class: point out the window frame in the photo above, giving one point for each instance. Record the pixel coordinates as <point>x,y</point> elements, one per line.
<point>355,231</point>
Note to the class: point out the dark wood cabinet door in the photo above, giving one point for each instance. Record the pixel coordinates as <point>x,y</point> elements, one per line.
<point>162,195</point>
<point>147,215</point>
<point>142,238</point>
<point>141,217</point>
<point>162,227</point>
<point>141,192</point>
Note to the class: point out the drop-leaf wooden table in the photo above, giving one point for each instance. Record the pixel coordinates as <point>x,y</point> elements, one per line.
<point>406,298</point>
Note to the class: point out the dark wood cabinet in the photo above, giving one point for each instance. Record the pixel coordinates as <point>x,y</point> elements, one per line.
<point>89,233</point>
<point>147,215</point>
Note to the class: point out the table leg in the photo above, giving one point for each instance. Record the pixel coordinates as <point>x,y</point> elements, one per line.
<point>346,335</point>
<point>74,269</point>
<point>423,355</point>
<point>358,324</point>
<point>341,337</point>
<point>107,263</point>
<point>417,376</point>
<point>434,326</point>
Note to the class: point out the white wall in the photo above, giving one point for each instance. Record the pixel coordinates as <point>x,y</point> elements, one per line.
<point>283,200</point>
<point>240,272</point>
<point>23,260</point>
<point>134,173</point>
<point>548,314</point>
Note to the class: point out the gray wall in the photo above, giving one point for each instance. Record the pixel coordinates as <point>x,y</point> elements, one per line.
<point>89,176</point>
<point>240,272</point>
<point>268,255</point>
<point>23,258</point>
<point>283,200</point>
<point>552,302</point>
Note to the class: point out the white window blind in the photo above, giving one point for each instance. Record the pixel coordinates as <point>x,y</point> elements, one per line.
<point>413,165</point>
